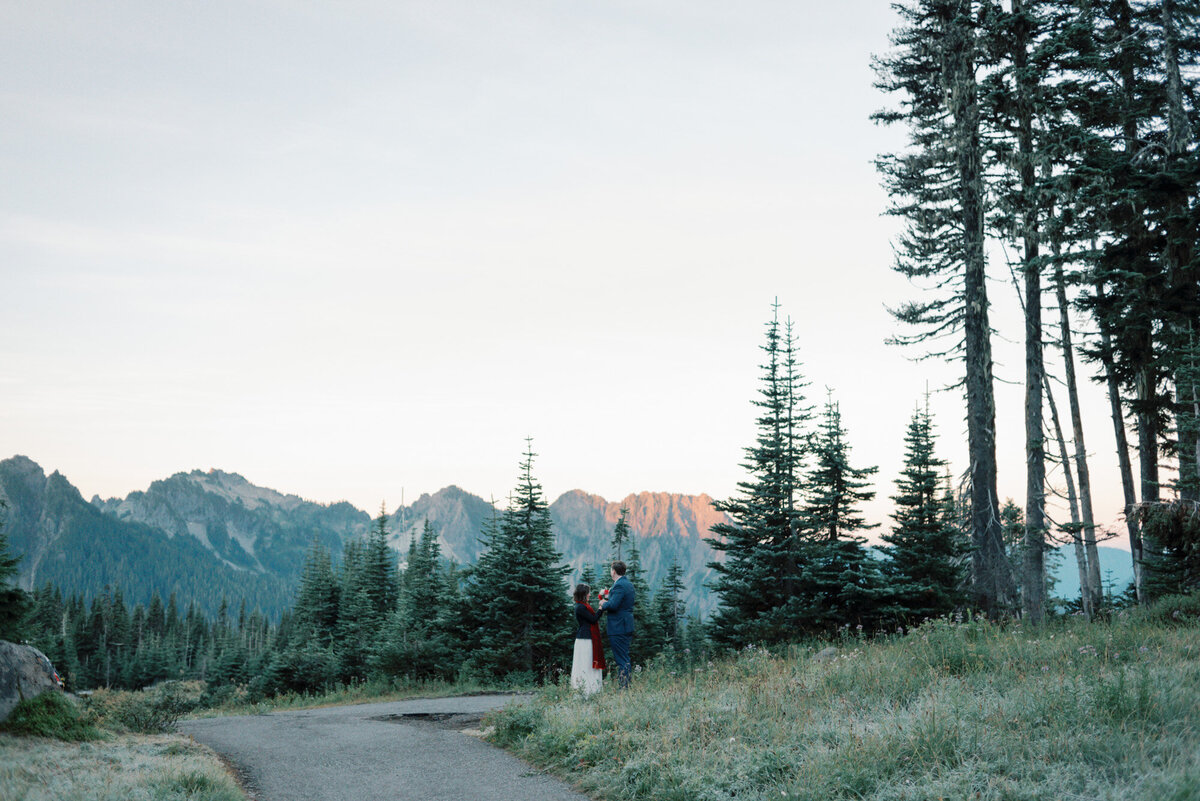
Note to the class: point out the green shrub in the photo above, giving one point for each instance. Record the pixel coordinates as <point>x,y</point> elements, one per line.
<point>1174,610</point>
<point>50,714</point>
<point>519,723</point>
<point>149,711</point>
<point>195,785</point>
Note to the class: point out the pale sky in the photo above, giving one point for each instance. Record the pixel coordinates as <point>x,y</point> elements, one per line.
<point>352,249</point>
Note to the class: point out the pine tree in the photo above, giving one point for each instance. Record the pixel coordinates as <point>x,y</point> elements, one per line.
<point>620,535</point>
<point>316,609</point>
<point>355,622</point>
<point>938,187</point>
<point>762,543</point>
<point>924,560</point>
<point>669,610</point>
<point>835,488</point>
<point>415,641</point>
<point>840,583</point>
<point>379,574</point>
<point>14,602</point>
<point>588,575</point>
<point>518,592</point>
<point>647,643</point>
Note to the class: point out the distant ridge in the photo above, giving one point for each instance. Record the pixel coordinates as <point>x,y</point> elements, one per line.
<point>213,533</point>
<point>208,535</point>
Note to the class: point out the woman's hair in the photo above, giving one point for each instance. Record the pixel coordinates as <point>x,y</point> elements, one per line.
<point>581,593</point>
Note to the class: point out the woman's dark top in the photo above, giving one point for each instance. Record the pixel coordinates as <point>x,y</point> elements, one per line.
<point>586,619</point>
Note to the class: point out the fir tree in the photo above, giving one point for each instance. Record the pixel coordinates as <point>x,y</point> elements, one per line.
<point>762,543</point>
<point>415,642</point>
<point>356,624</point>
<point>835,488</point>
<point>315,614</point>
<point>518,594</point>
<point>840,583</point>
<point>669,611</point>
<point>379,577</point>
<point>588,576</point>
<point>925,557</point>
<point>938,187</point>
<point>647,643</point>
<point>620,535</point>
<point>14,602</point>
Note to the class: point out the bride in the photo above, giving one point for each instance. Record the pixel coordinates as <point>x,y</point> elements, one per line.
<point>587,671</point>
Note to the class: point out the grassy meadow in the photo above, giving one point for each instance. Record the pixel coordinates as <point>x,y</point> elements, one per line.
<point>1071,711</point>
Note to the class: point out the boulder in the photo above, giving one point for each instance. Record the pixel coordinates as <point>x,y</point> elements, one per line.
<point>25,672</point>
<point>826,655</point>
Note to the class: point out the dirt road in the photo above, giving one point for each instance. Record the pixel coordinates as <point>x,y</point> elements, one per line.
<point>370,753</point>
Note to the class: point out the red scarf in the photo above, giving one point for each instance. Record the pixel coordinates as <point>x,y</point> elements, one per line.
<point>597,648</point>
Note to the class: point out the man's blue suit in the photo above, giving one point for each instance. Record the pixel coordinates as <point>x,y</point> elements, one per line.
<point>620,625</point>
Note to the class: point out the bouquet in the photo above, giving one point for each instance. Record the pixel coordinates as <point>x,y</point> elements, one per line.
<point>602,595</point>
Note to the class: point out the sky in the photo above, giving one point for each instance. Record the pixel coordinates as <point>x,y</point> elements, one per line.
<point>360,251</point>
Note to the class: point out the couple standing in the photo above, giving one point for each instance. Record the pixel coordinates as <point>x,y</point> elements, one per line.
<point>587,669</point>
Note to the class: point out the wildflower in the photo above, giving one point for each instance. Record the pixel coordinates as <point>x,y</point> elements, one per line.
<point>1045,668</point>
<point>1143,650</point>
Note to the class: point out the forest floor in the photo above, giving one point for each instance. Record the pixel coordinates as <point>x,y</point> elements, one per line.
<point>1069,711</point>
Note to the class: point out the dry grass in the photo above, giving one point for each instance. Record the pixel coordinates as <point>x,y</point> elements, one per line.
<point>1074,711</point>
<point>163,767</point>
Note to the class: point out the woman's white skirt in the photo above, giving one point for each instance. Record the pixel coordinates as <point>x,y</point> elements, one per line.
<point>583,676</point>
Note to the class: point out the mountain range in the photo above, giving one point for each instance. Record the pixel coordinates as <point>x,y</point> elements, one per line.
<point>213,535</point>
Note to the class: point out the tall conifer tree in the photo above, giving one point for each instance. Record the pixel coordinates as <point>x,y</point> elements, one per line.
<point>924,566</point>
<point>14,602</point>
<point>518,594</point>
<point>938,187</point>
<point>840,583</point>
<point>762,543</point>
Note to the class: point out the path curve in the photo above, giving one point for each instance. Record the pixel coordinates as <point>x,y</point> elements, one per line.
<point>347,753</point>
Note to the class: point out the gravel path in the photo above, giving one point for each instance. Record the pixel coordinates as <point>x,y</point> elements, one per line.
<point>364,753</point>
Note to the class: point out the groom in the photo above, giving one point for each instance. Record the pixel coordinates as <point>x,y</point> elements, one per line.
<point>619,607</point>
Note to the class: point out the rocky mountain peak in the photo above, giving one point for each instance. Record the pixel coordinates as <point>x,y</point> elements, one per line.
<point>235,487</point>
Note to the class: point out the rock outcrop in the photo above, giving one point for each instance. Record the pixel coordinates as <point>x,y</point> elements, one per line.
<point>25,672</point>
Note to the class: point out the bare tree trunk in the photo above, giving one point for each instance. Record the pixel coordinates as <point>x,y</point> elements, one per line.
<point>1034,584</point>
<point>1081,558</point>
<point>1127,487</point>
<point>991,574</point>
<point>1093,584</point>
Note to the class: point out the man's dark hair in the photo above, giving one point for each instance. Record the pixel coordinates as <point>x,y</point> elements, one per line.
<point>618,568</point>
<point>581,593</point>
